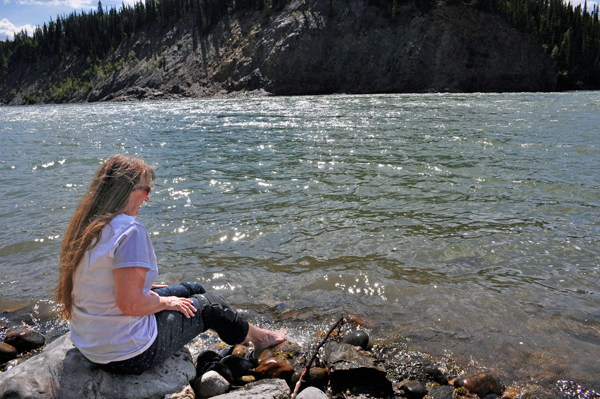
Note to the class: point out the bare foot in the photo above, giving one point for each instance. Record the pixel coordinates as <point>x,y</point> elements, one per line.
<point>264,338</point>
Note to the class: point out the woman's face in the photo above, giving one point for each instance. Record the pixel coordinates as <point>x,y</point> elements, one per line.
<point>137,197</point>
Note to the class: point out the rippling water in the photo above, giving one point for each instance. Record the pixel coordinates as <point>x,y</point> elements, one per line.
<point>462,225</point>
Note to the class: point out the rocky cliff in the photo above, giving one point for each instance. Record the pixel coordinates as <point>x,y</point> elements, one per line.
<point>310,47</point>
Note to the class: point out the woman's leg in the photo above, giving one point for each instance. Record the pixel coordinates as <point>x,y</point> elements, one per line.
<point>183,290</point>
<point>175,331</point>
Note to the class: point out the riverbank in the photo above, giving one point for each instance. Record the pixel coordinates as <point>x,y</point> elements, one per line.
<point>344,362</point>
<point>306,47</point>
<point>382,369</point>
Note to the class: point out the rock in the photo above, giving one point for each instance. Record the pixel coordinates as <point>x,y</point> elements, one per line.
<point>246,379</point>
<point>318,377</point>
<point>185,393</point>
<point>241,351</point>
<point>274,367</point>
<point>207,356</point>
<point>61,371</point>
<point>414,389</point>
<point>24,339</point>
<point>433,374</point>
<point>311,393</point>
<point>349,366</point>
<point>265,389</point>
<point>354,319</point>
<point>210,384</point>
<point>7,352</point>
<point>239,367</point>
<point>510,393</point>
<point>358,338</point>
<point>221,369</point>
<point>287,350</point>
<point>440,392</point>
<point>264,355</point>
<point>480,383</point>
<point>417,368</point>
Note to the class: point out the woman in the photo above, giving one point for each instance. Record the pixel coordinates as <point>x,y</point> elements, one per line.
<point>120,319</point>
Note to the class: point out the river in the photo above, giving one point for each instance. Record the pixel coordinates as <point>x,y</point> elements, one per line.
<point>465,226</point>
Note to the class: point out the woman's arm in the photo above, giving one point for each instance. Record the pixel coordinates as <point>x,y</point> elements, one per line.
<point>131,300</point>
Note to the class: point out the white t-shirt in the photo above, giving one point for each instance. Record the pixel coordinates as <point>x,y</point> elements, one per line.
<point>98,328</point>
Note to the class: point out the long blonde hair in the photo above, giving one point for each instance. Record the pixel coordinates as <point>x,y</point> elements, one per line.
<point>106,198</point>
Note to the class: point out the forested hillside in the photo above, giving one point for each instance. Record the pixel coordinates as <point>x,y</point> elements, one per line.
<point>571,36</point>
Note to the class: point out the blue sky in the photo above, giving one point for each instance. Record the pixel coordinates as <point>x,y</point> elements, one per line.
<point>26,14</point>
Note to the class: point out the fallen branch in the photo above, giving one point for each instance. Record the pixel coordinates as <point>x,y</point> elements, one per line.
<point>312,359</point>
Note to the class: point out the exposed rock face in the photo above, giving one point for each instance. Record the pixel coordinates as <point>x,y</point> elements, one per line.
<point>337,46</point>
<point>61,371</point>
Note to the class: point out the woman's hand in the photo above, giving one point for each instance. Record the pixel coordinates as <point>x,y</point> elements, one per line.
<point>158,286</point>
<point>183,305</point>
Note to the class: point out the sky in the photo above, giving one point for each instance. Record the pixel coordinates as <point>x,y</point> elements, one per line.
<point>27,14</point>
<point>16,15</point>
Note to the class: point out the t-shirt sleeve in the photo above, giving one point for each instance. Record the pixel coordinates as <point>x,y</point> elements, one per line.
<point>134,248</point>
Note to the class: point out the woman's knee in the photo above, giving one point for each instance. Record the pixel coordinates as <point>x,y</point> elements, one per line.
<point>220,317</point>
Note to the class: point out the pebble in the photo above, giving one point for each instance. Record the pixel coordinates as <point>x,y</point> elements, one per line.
<point>211,384</point>
<point>414,389</point>
<point>480,383</point>
<point>311,393</point>
<point>274,367</point>
<point>441,392</point>
<point>7,352</point>
<point>24,339</point>
<point>358,338</point>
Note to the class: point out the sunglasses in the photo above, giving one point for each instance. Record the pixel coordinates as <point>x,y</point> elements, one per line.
<point>146,189</point>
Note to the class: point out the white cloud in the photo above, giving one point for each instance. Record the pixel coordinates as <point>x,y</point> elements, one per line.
<point>590,4</point>
<point>8,29</point>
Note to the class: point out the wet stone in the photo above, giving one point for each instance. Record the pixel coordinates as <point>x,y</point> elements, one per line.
<point>349,366</point>
<point>7,352</point>
<point>24,339</point>
<point>242,351</point>
<point>480,383</point>
<point>358,338</point>
<point>274,367</point>
<point>239,367</point>
<point>440,392</point>
<point>264,355</point>
<point>287,350</point>
<point>204,358</point>
<point>414,389</point>
<point>318,377</point>
<point>220,368</point>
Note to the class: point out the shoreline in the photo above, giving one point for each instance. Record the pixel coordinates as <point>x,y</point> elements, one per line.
<point>381,346</point>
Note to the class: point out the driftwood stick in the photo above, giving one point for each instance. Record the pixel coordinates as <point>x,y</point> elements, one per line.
<point>313,357</point>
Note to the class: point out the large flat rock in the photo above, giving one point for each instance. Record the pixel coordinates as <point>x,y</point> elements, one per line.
<point>61,371</point>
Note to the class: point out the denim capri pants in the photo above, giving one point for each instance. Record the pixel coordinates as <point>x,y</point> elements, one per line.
<point>175,330</point>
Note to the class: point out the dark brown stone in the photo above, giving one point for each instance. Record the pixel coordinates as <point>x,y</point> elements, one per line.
<point>7,352</point>
<point>414,389</point>
<point>24,339</point>
<point>266,354</point>
<point>480,383</point>
<point>241,351</point>
<point>274,367</point>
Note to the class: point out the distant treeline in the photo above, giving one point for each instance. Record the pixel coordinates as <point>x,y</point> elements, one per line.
<point>570,35</point>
